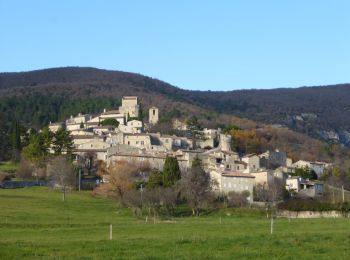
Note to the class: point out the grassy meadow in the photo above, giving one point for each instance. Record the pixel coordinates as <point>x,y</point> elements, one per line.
<point>8,167</point>
<point>35,223</point>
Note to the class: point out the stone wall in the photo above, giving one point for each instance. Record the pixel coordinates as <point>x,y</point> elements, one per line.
<point>312,214</point>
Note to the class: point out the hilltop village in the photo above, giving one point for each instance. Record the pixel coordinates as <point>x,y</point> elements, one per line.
<point>120,135</point>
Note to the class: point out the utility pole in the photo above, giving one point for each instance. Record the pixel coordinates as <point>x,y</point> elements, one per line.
<point>110,232</point>
<point>342,191</point>
<point>141,194</point>
<point>271,224</point>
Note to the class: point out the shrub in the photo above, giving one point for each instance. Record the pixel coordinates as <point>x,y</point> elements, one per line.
<point>313,205</point>
<point>235,199</point>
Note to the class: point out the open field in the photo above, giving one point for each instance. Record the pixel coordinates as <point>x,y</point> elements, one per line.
<point>8,167</point>
<point>35,223</point>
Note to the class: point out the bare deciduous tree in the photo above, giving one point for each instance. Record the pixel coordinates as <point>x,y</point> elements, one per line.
<point>276,192</point>
<point>25,169</point>
<point>133,199</point>
<point>2,176</point>
<point>120,178</point>
<point>235,199</point>
<point>196,187</point>
<point>61,174</point>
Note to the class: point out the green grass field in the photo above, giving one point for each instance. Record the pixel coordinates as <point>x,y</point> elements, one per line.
<point>8,167</point>
<point>35,223</point>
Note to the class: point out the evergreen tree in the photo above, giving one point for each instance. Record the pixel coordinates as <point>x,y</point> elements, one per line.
<point>155,179</point>
<point>35,151</point>
<point>15,140</point>
<point>15,136</point>
<point>140,114</point>
<point>195,129</point>
<point>110,121</point>
<point>62,142</point>
<point>4,138</point>
<point>306,173</point>
<point>196,187</point>
<point>171,171</point>
<point>47,138</point>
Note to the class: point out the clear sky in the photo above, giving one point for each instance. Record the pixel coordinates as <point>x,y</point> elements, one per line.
<point>217,45</point>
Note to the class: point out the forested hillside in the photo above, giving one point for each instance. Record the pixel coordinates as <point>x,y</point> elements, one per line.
<point>37,97</point>
<point>322,112</point>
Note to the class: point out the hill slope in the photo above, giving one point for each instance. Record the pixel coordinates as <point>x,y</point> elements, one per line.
<point>322,112</point>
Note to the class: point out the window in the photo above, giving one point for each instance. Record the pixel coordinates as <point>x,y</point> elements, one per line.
<point>128,142</point>
<point>137,142</point>
<point>142,142</point>
<point>154,112</point>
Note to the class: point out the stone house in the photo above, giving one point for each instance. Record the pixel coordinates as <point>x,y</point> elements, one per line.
<point>81,139</point>
<point>237,182</point>
<point>53,127</point>
<point>103,130</point>
<point>304,187</point>
<point>129,106</point>
<point>273,159</point>
<point>263,178</point>
<point>78,122</point>
<point>317,167</point>
<point>252,161</point>
<point>77,132</point>
<point>137,140</point>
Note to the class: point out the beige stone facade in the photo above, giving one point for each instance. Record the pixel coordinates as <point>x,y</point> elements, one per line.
<point>153,115</point>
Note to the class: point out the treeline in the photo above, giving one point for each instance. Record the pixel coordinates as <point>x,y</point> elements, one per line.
<point>38,109</point>
<point>324,108</point>
<point>35,110</point>
<point>154,192</point>
<point>35,98</point>
<point>330,104</point>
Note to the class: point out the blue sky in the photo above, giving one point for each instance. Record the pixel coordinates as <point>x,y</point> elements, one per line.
<point>216,45</point>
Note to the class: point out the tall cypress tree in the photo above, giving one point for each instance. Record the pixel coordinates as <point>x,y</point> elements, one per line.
<point>171,171</point>
<point>140,114</point>
<point>15,136</point>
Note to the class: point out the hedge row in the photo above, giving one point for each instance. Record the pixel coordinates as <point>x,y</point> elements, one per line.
<point>313,205</point>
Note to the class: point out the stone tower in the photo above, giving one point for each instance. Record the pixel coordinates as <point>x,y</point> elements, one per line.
<point>153,115</point>
<point>225,142</point>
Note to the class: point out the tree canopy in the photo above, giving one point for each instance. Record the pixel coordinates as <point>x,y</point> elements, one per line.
<point>62,142</point>
<point>110,121</point>
<point>196,187</point>
<point>171,171</point>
